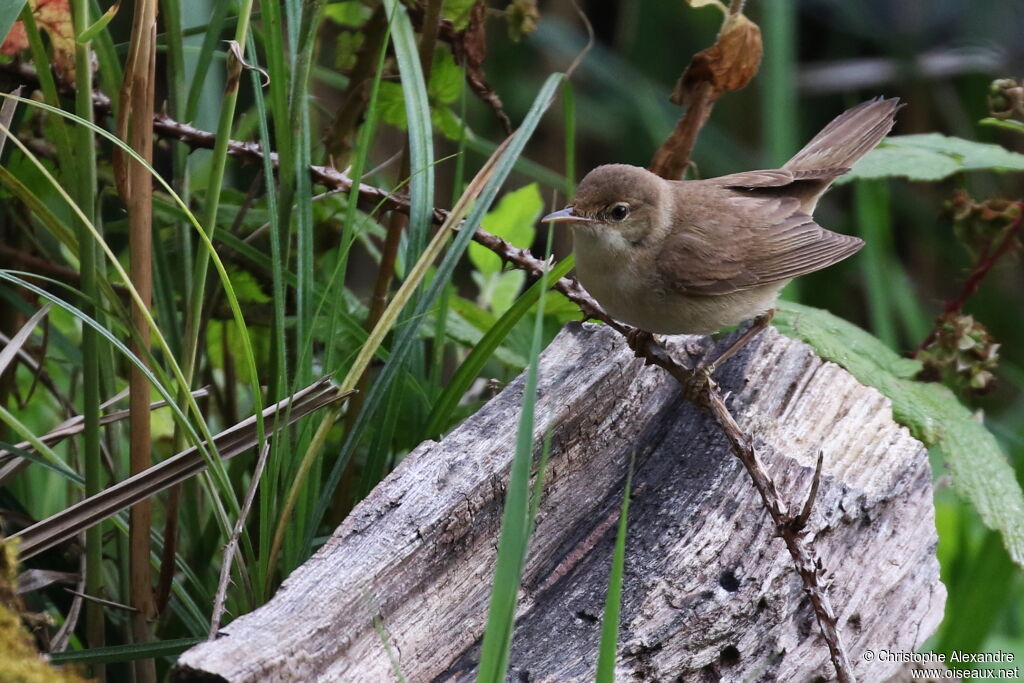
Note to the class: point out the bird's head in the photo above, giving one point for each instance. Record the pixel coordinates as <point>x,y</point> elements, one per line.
<point>618,204</point>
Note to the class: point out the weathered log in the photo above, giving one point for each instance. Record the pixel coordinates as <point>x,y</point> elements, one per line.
<point>709,592</point>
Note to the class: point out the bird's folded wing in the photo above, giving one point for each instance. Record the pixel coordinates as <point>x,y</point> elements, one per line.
<point>776,177</point>
<point>769,240</point>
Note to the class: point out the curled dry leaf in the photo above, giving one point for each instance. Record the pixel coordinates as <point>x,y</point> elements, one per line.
<point>727,65</point>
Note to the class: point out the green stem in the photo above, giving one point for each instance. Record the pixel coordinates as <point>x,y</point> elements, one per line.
<point>779,114</point>
<point>218,163</point>
<point>85,186</point>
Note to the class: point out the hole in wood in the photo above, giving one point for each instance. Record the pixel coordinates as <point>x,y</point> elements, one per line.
<point>729,581</point>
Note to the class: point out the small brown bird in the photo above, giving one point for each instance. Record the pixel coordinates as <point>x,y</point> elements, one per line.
<point>694,256</point>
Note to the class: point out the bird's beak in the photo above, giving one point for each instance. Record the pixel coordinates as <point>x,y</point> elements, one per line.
<point>566,215</point>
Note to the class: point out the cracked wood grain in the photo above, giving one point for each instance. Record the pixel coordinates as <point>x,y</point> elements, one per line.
<point>709,592</point>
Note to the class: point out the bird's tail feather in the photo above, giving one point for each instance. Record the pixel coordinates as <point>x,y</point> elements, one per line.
<point>848,137</point>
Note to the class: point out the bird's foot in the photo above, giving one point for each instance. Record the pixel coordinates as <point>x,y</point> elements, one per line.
<point>638,340</point>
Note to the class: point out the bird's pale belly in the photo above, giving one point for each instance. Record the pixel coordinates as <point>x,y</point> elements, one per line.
<point>632,298</point>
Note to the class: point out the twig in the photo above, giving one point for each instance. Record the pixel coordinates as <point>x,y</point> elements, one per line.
<point>973,281</point>
<point>101,601</point>
<point>232,545</point>
<point>800,521</point>
<point>672,158</point>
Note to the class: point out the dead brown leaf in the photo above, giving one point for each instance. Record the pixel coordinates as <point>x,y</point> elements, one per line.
<point>469,47</point>
<point>727,65</point>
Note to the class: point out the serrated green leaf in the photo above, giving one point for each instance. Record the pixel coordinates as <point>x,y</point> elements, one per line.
<point>512,220</point>
<point>445,77</point>
<point>931,156</point>
<point>931,412</point>
<point>391,104</point>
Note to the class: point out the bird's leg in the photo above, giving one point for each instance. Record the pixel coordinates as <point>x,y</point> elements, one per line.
<point>638,339</point>
<point>760,322</point>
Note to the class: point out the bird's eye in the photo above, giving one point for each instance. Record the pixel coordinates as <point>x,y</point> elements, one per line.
<point>619,212</point>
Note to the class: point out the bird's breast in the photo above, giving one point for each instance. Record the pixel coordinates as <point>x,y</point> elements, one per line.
<point>635,294</point>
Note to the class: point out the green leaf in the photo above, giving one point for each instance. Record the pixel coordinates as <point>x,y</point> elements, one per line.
<point>92,31</point>
<point>446,122</point>
<point>351,13</point>
<point>391,104</point>
<point>247,289</point>
<point>457,12</point>
<point>1008,124</point>
<point>931,412</point>
<point>445,77</point>
<point>512,220</point>
<point>505,290</point>
<point>932,156</point>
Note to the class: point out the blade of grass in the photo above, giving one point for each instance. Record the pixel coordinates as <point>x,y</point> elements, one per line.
<point>9,14</point>
<point>124,653</point>
<point>872,205</point>
<point>97,26</point>
<point>779,120</point>
<point>299,106</point>
<point>516,523</point>
<point>211,38</point>
<point>57,466</point>
<point>608,648</point>
<point>218,164</point>
<point>417,110</point>
<point>65,152</point>
<point>109,65</point>
<point>299,99</point>
<point>279,362</point>
<point>279,69</point>
<point>85,194</point>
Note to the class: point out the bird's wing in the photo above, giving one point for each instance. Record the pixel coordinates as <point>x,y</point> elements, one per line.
<point>734,240</point>
<point>776,177</point>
